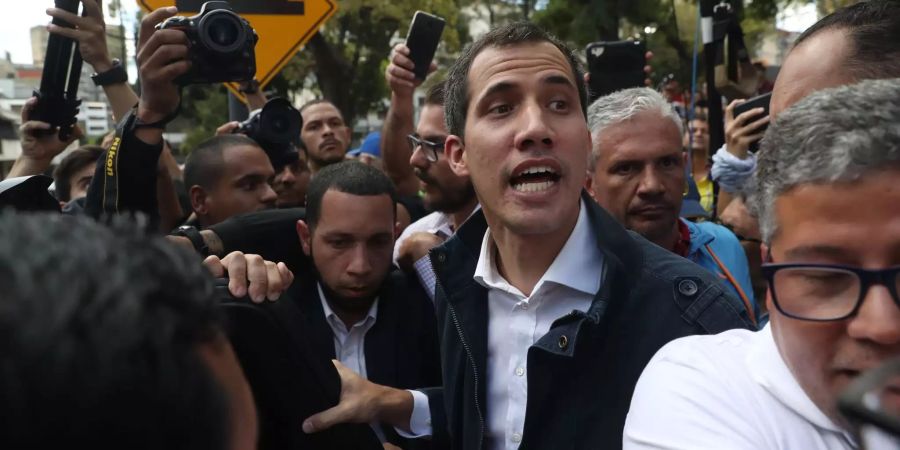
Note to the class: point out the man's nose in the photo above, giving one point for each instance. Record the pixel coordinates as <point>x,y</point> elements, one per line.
<point>268,195</point>
<point>287,175</point>
<point>359,263</point>
<point>535,131</point>
<point>878,318</point>
<point>650,183</point>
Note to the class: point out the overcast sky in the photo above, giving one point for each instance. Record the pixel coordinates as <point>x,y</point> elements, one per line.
<point>18,16</point>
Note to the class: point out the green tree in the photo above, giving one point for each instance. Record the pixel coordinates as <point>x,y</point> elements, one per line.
<point>344,62</point>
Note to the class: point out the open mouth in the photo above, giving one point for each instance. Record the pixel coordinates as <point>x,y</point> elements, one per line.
<point>534,179</point>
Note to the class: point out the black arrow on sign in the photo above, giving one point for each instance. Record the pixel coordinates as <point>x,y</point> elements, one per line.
<point>285,7</point>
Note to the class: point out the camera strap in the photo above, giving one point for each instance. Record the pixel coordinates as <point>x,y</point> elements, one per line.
<point>129,124</point>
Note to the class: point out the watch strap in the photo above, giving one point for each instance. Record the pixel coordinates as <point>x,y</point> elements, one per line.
<point>115,75</point>
<point>194,236</point>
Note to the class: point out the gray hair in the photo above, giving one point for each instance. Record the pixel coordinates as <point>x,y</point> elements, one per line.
<point>623,105</point>
<point>833,135</point>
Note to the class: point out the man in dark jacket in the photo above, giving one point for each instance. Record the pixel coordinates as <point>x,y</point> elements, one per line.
<point>349,307</point>
<point>547,308</point>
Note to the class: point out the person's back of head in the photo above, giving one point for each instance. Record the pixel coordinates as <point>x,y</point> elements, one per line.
<point>99,339</point>
<point>73,164</point>
<point>834,135</point>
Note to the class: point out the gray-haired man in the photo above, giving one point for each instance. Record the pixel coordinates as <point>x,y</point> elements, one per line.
<point>827,197</point>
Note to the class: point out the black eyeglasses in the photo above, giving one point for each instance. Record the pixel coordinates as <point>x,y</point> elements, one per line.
<point>430,149</point>
<point>825,292</point>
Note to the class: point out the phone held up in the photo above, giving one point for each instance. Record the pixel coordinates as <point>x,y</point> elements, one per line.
<point>615,66</point>
<point>761,101</point>
<point>423,39</point>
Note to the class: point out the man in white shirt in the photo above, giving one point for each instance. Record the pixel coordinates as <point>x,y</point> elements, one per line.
<point>547,308</point>
<point>827,199</point>
<point>351,307</point>
<point>414,159</point>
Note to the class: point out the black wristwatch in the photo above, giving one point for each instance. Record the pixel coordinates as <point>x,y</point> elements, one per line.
<point>115,75</point>
<point>194,236</point>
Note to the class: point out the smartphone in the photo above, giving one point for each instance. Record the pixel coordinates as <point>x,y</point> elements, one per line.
<point>761,101</point>
<point>615,66</point>
<point>423,39</point>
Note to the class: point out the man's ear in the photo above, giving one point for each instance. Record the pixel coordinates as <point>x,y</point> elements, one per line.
<point>305,236</point>
<point>398,229</point>
<point>198,199</point>
<point>589,184</point>
<point>764,253</point>
<point>455,153</point>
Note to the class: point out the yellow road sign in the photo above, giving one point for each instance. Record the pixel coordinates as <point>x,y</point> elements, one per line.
<point>283,27</point>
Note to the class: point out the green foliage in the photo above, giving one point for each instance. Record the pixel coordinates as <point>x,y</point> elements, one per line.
<point>345,61</point>
<point>204,108</point>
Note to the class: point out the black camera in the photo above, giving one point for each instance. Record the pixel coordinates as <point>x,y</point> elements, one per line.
<point>221,45</point>
<point>276,128</point>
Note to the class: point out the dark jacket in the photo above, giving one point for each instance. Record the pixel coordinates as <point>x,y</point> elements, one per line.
<point>582,373</point>
<point>286,348</point>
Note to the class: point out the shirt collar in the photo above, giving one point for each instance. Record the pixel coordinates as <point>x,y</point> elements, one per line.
<point>768,368</point>
<point>578,265</point>
<point>334,320</point>
<point>444,226</point>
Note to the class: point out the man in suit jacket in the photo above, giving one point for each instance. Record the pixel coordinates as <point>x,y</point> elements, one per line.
<point>349,307</point>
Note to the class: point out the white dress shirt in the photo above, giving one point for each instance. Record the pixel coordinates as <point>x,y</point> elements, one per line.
<point>438,224</point>
<point>516,322</point>
<point>349,343</point>
<point>731,390</point>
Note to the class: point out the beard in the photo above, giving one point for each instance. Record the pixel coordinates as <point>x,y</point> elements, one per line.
<point>338,302</point>
<point>449,200</point>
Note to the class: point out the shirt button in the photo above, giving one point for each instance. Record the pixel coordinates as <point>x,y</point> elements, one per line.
<point>524,306</point>
<point>520,371</point>
<point>516,437</point>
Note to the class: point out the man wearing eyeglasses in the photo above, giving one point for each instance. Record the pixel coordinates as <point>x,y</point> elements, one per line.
<point>827,199</point>
<point>419,164</point>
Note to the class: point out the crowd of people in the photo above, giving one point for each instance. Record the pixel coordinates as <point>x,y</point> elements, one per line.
<point>517,269</point>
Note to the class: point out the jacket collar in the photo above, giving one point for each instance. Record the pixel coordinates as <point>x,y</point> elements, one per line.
<point>455,263</point>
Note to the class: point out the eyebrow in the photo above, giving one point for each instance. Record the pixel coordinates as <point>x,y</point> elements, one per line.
<point>557,79</point>
<point>816,251</point>
<point>498,88</point>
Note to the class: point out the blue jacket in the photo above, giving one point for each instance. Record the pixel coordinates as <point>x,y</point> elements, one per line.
<point>716,249</point>
<point>582,373</point>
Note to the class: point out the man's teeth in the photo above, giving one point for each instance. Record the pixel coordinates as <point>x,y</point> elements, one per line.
<point>533,187</point>
<point>538,169</point>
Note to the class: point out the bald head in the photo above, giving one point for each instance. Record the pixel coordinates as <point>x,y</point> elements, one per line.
<point>854,43</point>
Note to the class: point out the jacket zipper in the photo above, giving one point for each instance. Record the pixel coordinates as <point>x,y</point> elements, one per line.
<point>474,372</point>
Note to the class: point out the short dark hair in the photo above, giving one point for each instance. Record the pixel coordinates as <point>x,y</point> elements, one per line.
<point>86,155</point>
<point>457,98</point>
<point>319,101</point>
<point>874,30</point>
<point>435,94</point>
<point>99,330</point>
<point>351,177</point>
<point>204,165</point>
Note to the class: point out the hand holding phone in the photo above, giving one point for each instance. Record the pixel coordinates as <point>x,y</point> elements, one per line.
<point>614,66</point>
<point>422,40</point>
<point>745,124</point>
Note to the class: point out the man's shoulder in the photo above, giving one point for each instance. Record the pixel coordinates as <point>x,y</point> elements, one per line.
<point>728,349</point>
<point>666,265</point>
<point>426,223</point>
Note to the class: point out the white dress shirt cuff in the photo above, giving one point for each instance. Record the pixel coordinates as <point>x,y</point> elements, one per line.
<point>420,420</point>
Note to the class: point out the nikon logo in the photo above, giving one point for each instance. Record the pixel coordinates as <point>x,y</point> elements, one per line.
<point>111,157</point>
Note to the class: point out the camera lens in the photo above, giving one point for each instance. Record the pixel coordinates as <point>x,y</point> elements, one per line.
<point>222,31</point>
